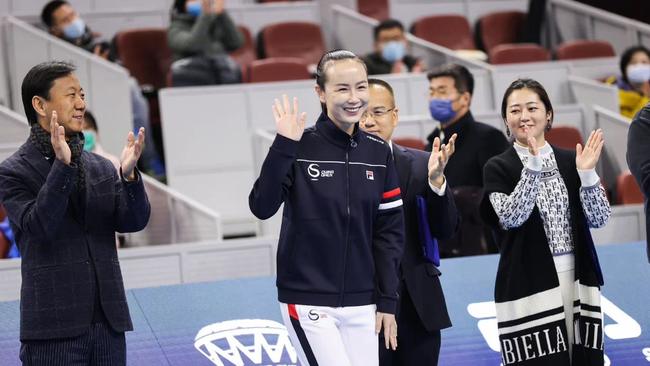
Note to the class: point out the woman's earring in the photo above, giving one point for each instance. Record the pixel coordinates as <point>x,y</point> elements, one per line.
<point>507,132</point>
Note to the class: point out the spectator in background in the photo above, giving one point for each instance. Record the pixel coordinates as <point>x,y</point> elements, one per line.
<point>200,36</point>
<point>450,97</point>
<point>91,140</point>
<point>638,159</point>
<point>390,51</point>
<point>634,82</point>
<point>63,21</point>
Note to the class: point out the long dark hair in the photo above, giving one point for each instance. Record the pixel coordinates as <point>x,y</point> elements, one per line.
<point>536,88</point>
<point>329,57</point>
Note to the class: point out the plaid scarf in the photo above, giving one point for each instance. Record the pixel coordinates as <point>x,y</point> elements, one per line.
<point>43,142</point>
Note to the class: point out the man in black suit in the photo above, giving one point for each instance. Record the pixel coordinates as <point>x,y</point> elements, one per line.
<point>451,87</point>
<point>422,311</point>
<point>65,205</point>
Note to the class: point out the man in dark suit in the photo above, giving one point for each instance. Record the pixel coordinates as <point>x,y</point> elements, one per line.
<point>451,87</point>
<point>422,311</point>
<point>65,205</point>
<point>638,159</point>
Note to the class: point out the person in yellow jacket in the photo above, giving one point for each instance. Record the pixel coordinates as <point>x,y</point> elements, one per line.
<point>634,82</point>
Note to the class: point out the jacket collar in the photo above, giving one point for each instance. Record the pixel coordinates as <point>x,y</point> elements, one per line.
<point>38,161</point>
<point>458,127</point>
<point>331,132</point>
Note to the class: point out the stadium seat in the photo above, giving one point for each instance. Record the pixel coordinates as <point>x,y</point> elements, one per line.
<point>518,53</point>
<point>278,69</point>
<point>245,54</point>
<point>145,53</point>
<point>627,189</point>
<point>565,137</point>
<point>292,39</point>
<point>377,9</point>
<point>412,142</point>
<point>456,35</point>
<point>584,49</point>
<point>499,28</point>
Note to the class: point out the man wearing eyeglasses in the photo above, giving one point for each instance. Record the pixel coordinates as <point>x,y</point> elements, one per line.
<point>429,213</point>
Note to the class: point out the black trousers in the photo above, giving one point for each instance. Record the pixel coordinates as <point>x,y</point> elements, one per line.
<point>100,346</point>
<point>415,345</point>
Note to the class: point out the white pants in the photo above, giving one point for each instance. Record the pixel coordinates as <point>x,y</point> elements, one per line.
<point>326,336</point>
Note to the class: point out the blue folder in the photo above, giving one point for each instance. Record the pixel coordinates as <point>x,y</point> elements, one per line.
<point>429,243</point>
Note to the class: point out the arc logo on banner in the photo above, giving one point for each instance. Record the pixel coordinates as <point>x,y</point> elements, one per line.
<point>624,325</point>
<point>246,342</point>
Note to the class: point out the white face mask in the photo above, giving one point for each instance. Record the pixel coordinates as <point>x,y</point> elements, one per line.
<point>638,73</point>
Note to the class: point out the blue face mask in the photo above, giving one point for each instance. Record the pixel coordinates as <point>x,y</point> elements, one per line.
<point>194,9</point>
<point>90,140</point>
<point>75,29</point>
<point>393,51</point>
<point>441,110</point>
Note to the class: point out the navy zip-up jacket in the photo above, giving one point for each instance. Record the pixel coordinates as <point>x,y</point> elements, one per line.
<point>342,232</point>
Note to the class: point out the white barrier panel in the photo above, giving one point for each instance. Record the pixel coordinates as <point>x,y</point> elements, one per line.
<point>408,11</point>
<point>589,93</point>
<point>4,76</point>
<point>175,264</point>
<point>13,127</point>
<point>106,84</point>
<point>574,20</point>
<point>594,68</point>
<point>262,140</point>
<point>627,222</point>
<point>175,218</point>
<point>615,128</point>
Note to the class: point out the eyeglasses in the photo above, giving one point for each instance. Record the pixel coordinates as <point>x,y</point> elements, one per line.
<point>376,114</point>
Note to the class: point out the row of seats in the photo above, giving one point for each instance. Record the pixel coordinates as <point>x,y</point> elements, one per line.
<point>565,137</point>
<point>498,34</point>
<point>287,50</point>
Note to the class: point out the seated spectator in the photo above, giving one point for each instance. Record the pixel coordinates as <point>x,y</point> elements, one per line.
<point>390,55</point>
<point>200,36</point>
<point>634,82</point>
<point>64,22</point>
<point>91,140</point>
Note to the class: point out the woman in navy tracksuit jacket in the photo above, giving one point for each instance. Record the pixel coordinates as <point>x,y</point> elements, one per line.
<point>342,227</point>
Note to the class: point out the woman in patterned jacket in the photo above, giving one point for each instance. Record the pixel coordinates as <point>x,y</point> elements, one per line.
<point>547,290</point>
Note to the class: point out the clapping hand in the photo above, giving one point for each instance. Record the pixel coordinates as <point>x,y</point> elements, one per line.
<point>438,159</point>
<point>131,153</point>
<point>287,121</point>
<point>587,157</point>
<point>57,137</point>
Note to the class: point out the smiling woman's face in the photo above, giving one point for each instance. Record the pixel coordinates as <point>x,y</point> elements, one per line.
<point>526,115</point>
<point>346,92</point>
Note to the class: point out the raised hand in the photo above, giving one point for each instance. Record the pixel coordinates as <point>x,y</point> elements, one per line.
<point>131,153</point>
<point>587,157</point>
<point>388,323</point>
<point>57,136</point>
<point>531,142</point>
<point>287,121</point>
<point>438,159</point>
